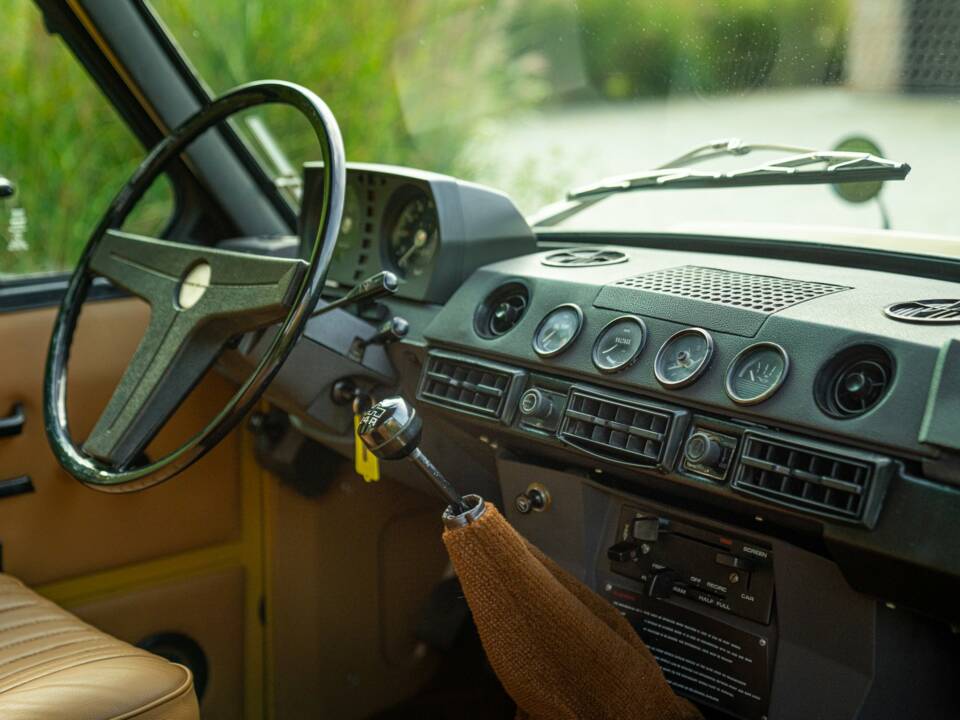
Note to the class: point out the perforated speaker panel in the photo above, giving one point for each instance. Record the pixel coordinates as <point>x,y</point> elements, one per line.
<point>760,293</point>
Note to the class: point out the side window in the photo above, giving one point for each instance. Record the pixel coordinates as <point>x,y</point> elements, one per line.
<point>65,150</point>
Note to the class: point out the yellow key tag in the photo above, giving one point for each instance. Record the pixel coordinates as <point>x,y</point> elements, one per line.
<point>366,463</point>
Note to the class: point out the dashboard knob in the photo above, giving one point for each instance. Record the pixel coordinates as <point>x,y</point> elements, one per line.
<point>536,405</point>
<point>702,449</point>
<point>536,498</point>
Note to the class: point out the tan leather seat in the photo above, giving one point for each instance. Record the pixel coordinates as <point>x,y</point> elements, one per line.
<point>54,666</point>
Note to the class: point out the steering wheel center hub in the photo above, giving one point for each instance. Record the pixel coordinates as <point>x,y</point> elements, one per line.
<point>194,284</point>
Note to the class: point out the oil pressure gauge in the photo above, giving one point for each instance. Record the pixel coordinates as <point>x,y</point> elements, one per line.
<point>683,358</point>
<point>619,344</point>
<point>557,331</point>
<point>756,373</point>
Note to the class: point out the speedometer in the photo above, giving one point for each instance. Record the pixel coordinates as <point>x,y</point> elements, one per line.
<point>413,231</point>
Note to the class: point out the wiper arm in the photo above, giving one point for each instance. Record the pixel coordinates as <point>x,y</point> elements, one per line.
<point>803,166</point>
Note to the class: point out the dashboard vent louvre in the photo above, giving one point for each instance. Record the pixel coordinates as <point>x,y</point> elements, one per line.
<point>835,484</point>
<point>584,257</point>
<point>760,293</point>
<point>501,310</point>
<point>614,429</point>
<point>468,385</point>
<point>854,381</point>
<point>942,312</point>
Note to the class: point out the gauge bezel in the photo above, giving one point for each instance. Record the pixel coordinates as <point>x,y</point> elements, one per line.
<point>698,372</point>
<point>396,203</point>
<point>636,353</point>
<point>568,343</point>
<point>769,392</point>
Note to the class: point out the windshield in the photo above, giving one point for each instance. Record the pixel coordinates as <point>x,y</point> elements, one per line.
<point>536,97</point>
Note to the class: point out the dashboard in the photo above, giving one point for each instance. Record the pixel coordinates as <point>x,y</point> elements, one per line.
<point>758,452</point>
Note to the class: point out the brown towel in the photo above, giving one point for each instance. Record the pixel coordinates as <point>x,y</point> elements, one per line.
<point>560,650</point>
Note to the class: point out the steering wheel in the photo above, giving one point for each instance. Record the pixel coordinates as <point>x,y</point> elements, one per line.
<point>201,298</point>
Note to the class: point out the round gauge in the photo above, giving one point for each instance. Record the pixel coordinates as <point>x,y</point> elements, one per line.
<point>683,358</point>
<point>756,373</point>
<point>349,223</point>
<point>412,232</point>
<point>619,344</point>
<point>557,331</point>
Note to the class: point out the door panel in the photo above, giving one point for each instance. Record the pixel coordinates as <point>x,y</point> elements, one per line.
<point>64,529</point>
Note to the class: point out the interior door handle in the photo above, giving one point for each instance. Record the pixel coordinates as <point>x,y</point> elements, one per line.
<point>12,424</point>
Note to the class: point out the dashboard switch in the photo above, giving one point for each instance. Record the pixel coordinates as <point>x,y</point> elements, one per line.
<point>647,528</point>
<point>661,584</point>
<point>732,561</point>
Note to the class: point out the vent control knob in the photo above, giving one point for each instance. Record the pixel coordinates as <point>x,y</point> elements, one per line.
<point>702,449</point>
<point>535,405</point>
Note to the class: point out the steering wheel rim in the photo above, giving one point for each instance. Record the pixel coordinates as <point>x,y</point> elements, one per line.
<point>103,476</point>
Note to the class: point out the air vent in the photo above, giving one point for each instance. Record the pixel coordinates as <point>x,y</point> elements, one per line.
<point>760,293</point>
<point>943,312</point>
<point>584,257</point>
<point>838,484</point>
<point>471,386</point>
<point>616,429</point>
<point>501,310</point>
<point>854,381</point>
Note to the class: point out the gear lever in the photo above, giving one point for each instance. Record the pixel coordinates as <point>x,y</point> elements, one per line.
<point>391,430</point>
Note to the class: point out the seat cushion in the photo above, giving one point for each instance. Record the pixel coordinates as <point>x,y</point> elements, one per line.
<point>54,666</point>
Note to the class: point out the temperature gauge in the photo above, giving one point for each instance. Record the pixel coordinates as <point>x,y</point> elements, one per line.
<point>619,344</point>
<point>683,358</point>
<point>557,331</point>
<point>757,373</point>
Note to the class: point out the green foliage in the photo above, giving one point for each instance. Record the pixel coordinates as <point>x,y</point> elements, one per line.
<point>62,145</point>
<point>411,82</point>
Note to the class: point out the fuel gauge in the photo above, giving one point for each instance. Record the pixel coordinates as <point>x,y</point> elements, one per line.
<point>683,358</point>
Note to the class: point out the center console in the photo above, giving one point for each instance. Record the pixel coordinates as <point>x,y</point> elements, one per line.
<point>687,588</point>
<point>746,625</point>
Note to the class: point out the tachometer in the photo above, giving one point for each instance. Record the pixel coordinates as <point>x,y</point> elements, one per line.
<point>756,373</point>
<point>557,331</point>
<point>683,358</point>
<point>413,231</point>
<point>619,344</point>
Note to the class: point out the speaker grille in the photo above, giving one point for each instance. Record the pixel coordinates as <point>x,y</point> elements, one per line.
<point>761,293</point>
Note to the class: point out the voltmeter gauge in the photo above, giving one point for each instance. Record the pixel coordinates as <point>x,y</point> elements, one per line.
<point>557,331</point>
<point>683,358</point>
<point>756,373</point>
<point>619,344</point>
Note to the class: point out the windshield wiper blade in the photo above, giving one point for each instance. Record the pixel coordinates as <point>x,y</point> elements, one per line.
<point>807,168</point>
<point>803,166</point>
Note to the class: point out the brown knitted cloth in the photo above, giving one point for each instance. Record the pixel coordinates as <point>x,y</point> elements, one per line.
<point>560,650</point>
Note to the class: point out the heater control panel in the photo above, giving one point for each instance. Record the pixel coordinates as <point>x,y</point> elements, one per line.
<point>674,559</point>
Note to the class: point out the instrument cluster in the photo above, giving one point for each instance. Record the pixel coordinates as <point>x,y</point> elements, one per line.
<point>753,376</point>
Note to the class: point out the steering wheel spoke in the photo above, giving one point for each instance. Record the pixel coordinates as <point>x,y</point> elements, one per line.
<point>200,298</point>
